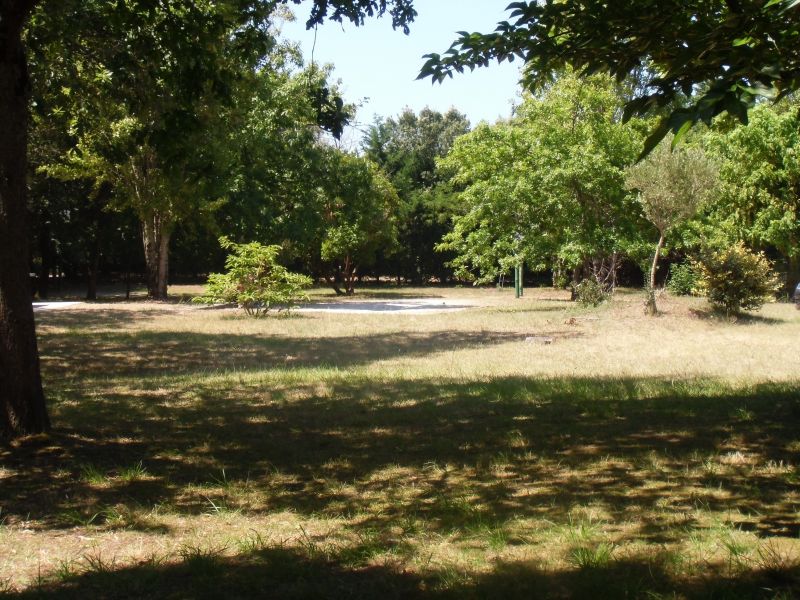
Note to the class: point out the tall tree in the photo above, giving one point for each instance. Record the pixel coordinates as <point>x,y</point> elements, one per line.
<point>548,187</point>
<point>721,54</point>
<point>759,200</point>
<point>358,206</point>
<point>407,148</point>
<point>23,407</point>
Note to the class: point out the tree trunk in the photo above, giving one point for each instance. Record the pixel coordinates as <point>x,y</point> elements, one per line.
<point>23,406</point>
<point>654,268</point>
<point>650,307</point>
<point>335,281</point>
<point>576,279</point>
<point>349,271</point>
<point>156,232</point>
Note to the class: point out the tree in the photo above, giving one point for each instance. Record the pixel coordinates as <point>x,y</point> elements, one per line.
<point>547,188</point>
<point>407,148</point>
<point>23,406</point>
<point>358,205</point>
<point>703,57</point>
<point>274,199</point>
<point>147,121</point>
<point>759,199</point>
<point>671,185</point>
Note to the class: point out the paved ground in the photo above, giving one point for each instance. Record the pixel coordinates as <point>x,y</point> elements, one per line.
<point>399,306</point>
<point>53,305</point>
<point>410,305</point>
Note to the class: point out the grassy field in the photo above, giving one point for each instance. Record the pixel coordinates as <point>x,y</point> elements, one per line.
<point>199,453</point>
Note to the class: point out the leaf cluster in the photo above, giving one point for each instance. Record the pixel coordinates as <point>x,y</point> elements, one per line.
<point>672,183</point>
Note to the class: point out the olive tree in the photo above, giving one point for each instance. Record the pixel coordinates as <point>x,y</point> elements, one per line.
<point>671,185</point>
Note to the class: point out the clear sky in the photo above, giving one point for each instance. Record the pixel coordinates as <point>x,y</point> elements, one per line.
<point>381,64</point>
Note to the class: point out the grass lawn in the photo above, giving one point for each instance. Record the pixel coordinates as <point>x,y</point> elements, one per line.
<point>200,453</point>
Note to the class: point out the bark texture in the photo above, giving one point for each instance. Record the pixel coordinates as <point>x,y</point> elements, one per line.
<point>156,233</point>
<point>23,406</point>
<point>650,307</point>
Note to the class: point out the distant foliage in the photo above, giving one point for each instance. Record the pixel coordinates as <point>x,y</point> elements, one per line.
<point>682,279</point>
<point>590,292</point>
<point>254,280</point>
<point>735,279</point>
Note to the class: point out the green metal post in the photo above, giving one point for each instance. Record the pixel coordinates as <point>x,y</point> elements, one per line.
<point>516,282</point>
<point>521,286</point>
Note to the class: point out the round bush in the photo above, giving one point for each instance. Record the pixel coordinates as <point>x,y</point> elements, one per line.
<point>735,279</point>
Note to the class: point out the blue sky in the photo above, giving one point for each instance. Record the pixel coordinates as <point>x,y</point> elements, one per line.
<point>381,64</point>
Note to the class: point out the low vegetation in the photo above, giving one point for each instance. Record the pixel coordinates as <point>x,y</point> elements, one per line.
<point>204,454</point>
<point>255,281</point>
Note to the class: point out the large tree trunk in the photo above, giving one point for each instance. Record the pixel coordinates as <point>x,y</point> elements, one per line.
<point>335,281</point>
<point>156,232</point>
<point>21,397</point>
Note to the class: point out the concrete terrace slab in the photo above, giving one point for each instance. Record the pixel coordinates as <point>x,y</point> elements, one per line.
<point>53,305</point>
<point>404,306</point>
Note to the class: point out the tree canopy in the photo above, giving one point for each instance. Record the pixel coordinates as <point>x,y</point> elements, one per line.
<point>548,187</point>
<point>700,57</point>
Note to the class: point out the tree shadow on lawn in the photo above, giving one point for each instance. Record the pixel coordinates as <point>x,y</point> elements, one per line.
<point>711,314</point>
<point>286,573</point>
<point>170,353</point>
<point>83,320</point>
<point>458,455</point>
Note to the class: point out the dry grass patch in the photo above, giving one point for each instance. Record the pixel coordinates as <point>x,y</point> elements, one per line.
<point>410,455</point>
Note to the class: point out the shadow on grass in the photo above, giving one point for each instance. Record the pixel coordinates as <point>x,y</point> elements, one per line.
<point>711,314</point>
<point>289,573</point>
<point>457,455</point>
<point>92,353</point>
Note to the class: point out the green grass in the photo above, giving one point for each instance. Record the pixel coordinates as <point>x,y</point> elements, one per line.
<point>201,454</point>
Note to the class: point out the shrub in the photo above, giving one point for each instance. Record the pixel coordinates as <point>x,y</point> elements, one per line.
<point>254,280</point>
<point>682,279</point>
<point>735,279</point>
<point>590,293</point>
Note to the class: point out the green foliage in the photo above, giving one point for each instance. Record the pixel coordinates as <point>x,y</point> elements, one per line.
<point>407,148</point>
<point>255,280</point>
<point>735,278</point>
<point>759,200</point>
<point>357,206</point>
<point>590,292</point>
<point>548,186</point>
<point>721,55</point>
<point>682,279</point>
<point>672,183</point>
